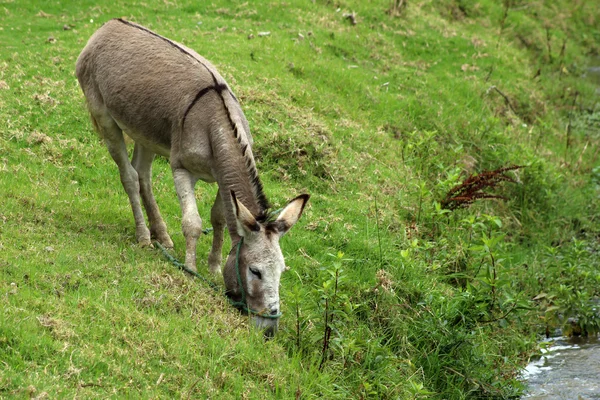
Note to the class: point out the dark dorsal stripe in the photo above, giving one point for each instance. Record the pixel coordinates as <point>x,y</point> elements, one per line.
<point>219,88</point>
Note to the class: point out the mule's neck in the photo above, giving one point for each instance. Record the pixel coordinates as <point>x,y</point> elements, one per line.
<point>235,171</point>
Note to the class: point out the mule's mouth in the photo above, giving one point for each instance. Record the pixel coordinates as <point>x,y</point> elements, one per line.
<point>268,325</point>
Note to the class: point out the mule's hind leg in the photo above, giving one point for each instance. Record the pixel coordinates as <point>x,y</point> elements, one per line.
<point>217,219</point>
<point>113,138</point>
<point>190,221</point>
<point>142,162</point>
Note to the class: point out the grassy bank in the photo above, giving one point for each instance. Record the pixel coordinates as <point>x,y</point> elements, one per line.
<point>374,108</point>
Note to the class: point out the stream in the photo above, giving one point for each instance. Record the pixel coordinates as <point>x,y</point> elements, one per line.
<point>593,73</point>
<point>568,369</point>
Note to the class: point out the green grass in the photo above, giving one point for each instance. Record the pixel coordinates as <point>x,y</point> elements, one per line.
<point>377,121</point>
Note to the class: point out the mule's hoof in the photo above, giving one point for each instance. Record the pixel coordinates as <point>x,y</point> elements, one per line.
<point>164,239</point>
<point>191,268</point>
<point>215,269</point>
<point>214,263</point>
<point>166,242</point>
<point>144,242</point>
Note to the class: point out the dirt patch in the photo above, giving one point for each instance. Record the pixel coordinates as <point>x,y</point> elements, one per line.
<point>37,138</point>
<point>58,328</point>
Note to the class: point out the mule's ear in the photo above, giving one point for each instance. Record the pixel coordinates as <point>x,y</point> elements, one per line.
<point>291,213</point>
<point>245,221</point>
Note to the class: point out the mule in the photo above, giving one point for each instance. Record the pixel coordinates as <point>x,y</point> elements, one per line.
<point>171,101</point>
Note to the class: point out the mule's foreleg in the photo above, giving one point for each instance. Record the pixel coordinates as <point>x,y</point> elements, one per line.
<point>190,221</point>
<point>217,219</point>
<point>113,138</point>
<point>142,162</point>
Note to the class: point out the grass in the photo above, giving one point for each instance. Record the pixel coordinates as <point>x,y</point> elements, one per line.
<point>378,121</point>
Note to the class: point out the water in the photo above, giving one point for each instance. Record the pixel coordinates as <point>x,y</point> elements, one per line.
<point>593,73</point>
<point>568,369</point>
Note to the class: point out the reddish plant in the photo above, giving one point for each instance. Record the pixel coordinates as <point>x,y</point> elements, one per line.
<point>463,195</point>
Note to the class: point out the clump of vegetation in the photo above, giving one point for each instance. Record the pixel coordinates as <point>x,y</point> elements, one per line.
<point>379,110</point>
<point>473,187</point>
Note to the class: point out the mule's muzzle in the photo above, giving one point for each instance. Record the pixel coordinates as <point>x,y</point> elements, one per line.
<point>268,325</point>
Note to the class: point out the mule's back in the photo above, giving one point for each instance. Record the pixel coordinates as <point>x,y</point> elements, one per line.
<point>144,81</point>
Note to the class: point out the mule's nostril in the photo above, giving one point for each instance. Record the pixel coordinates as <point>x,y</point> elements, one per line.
<point>269,333</point>
<point>274,311</point>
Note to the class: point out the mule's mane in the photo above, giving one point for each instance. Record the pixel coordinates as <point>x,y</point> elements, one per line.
<point>219,88</point>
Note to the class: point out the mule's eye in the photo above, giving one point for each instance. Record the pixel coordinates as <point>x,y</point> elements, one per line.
<point>256,273</point>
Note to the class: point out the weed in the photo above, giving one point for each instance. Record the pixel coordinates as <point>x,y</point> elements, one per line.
<point>471,189</point>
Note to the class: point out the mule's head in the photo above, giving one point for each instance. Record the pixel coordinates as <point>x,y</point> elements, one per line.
<point>258,260</point>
